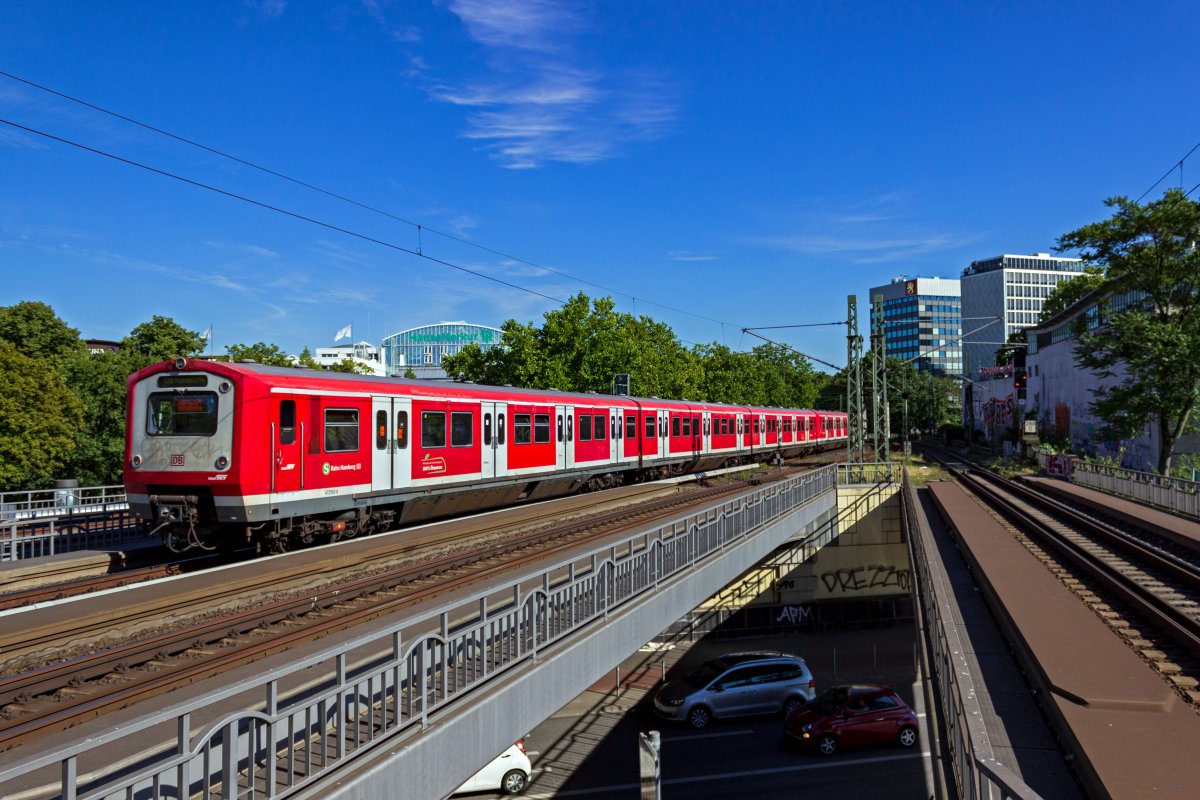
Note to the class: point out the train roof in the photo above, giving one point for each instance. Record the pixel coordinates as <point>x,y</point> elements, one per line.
<point>299,375</point>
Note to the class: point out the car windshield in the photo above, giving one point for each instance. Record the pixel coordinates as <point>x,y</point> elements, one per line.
<point>702,675</point>
<point>828,701</point>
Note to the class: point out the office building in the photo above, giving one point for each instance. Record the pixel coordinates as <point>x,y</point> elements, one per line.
<point>922,320</point>
<point>1004,294</point>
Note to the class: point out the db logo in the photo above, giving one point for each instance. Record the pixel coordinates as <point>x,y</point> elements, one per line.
<point>177,459</point>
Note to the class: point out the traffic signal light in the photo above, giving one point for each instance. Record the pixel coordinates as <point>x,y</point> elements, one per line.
<point>1019,379</point>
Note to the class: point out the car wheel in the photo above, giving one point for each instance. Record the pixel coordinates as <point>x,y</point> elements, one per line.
<point>790,705</point>
<point>699,717</point>
<point>514,782</point>
<point>827,744</point>
<point>908,736</point>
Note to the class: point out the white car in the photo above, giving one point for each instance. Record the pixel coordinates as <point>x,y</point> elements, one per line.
<point>508,772</point>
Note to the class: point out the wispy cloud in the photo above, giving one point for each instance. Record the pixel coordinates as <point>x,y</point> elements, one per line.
<point>266,9</point>
<point>877,230</point>
<point>684,255</point>
<point>540,102</point>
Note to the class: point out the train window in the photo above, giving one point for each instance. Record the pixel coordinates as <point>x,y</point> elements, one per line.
<point>723,424</point>
<point>585,427</point>
<point>522,429</point>
<point>287,422</point>
<point>402,430</point>
<point>433,429</point>
<point>696,425</point>
<point>541,428</point>
<point>662,427</point>
<point>674,426</point>
<point>706,427</point>
<point>598,428</point>
<point>487,430</point>
<point>381,437</point>
<point>500,428</point>
<point>739,425</point>
<point>612,428</point>
<point>631,427</point>
<point>193,414</point>
<point>462,429</point>
<point>687,426</point>
<point>649,427</point>
<point>570,428</point>
<point>341,430</point>
<point>756,424</point>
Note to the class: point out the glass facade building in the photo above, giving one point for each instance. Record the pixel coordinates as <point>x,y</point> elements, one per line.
<point>922,319</point>
<point>422,349</point>
<point>1005,294</point>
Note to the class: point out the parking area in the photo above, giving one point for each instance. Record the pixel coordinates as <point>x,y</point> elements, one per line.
<point>589,748</point>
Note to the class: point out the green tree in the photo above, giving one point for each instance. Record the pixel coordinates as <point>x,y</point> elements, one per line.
<point>100,381</point>
<point>1150,350</point>
<point>35,330</point>
<point>39,419</point>
<point>162,339</point>
<point>1068,293</point>
<point>579,348</point>
<point>351,366</point>
<point>261,353</point>
<point>408,373</point>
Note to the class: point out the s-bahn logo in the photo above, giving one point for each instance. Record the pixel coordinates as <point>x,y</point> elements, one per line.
<point>325,468</point>
<point>432,465</point>
<point>176,459</point>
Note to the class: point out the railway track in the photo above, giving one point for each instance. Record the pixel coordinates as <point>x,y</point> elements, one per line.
<point>75,679</point>
<point>1147,593</point>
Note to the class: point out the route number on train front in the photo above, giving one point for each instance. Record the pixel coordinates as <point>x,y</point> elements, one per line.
<point>177,459</point>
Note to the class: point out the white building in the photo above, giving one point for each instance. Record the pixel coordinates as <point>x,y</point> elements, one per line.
<point>363,353</point>
<point>1003,295</point>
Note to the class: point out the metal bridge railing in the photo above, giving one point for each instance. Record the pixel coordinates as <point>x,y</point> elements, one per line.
<point>59,502</point>
<point>390,684</point>
<point>976,771</point>
<point>1173,494</point>
<point>50,521</point>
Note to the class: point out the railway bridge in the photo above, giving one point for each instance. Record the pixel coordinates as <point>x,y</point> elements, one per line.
<point>409,707</point>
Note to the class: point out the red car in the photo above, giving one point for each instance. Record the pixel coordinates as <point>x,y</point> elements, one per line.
<point>843,716</point>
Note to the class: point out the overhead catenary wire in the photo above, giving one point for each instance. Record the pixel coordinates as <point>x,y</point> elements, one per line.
<point>1178,165</point>
<point>420,228</point>
<point>295,215</point>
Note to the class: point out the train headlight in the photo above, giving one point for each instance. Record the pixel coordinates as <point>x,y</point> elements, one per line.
<point>135,462</point>
<point>222,462</point>
<point>180,363</point>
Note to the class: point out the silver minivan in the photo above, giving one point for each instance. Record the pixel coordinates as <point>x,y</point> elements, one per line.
<point>736,684</point>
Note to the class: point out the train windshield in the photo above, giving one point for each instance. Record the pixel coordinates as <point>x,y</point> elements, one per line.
<point>182,414</point>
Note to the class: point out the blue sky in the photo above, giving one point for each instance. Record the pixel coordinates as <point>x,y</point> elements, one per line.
<point>750,163</point>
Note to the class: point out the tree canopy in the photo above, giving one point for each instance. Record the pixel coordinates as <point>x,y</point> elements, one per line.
<point>581,346</point>
<point>37,332</point>
<point>162,339</point>
<point>1149,346</point>
<point>39,418</point>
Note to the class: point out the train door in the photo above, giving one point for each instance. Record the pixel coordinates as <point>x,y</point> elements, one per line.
<point>564,436</point>
<point>494,444</point>
<point>614,436</point>
<point>391,462</point>
<point>664,433</point>
<point>706,440</point>
<point>288,436</point>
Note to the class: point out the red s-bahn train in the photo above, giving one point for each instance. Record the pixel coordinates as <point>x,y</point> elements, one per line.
<point>218,455</point>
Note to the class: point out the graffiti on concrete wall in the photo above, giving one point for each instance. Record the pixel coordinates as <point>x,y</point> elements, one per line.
<point>998,413</point>
<point>861,579</point>
<point>795,614</point>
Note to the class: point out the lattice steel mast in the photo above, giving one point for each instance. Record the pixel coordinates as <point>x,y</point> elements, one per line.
<point>855,423</point>
<point>879,401</point>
